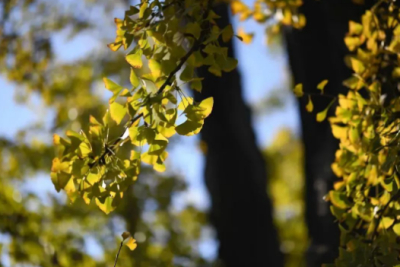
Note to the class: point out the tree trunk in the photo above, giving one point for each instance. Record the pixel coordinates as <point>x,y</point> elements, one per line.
<point>235,174</point>
<point>316,53</point>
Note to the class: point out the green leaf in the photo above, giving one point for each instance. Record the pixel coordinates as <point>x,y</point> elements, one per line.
<point>187,73</point>
<point>113,87</point>
<point>134,79</point>
<point>338,199</point>
<point>194,29</point>
<point>229,64</point>
<point>189,127</point>
<point>197,85</point>
<point>117,112</point>
<point>227,33</point>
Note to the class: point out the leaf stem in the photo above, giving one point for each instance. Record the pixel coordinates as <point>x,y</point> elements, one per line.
<point>119,250</point>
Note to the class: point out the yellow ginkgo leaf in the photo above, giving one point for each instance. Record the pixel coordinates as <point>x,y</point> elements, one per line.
<point>321,85</point>
<point>322,115</point>
<point>247,38</point>
<point>357,65</point>
<point>186,101</point>
<point>298,90</point>
<point>135,60</point>
<point>207,105</point>
<point>131,243</point>
<point>310,105</point>
<point>355,28</point>
<point>117,112</point>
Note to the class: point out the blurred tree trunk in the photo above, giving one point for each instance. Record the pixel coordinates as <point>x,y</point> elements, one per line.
<point>316,53</point>
<point>235,174</point>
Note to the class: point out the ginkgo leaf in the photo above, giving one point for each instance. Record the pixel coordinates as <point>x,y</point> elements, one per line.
<point>186,101</point>
<point>355,28</point>
<point>338,199</point>
<point>135,60</point>
<point>59,166</point>
<point>196,85</point>
<point>227,33</point>
<point>246,38</point>
<point>187,74</point>
<point>117,112</point>
<point>321,85</point>
<point>114,46</point>
<point>143,9</point>
<point>131,243</point>
<point>229,64</point>
<point>310,105</point>
<point>189,127</point>
<point>215,69</point>
<point>155,68</point>
<point>207,105</point>
<point>134,79</point>
<point>298,90</point>
<point>107,205</point>
<point>396,229</point>
<point>357,65</point>
<point>60,180</point>
<point>321,116</point>
<point>112,87</point>
<point>193,29</point>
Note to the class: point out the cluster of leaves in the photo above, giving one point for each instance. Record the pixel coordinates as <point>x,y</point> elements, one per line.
<point>38,227</point>
<point>276,14</point>
<point>169,36</point>
<point>366,202</point>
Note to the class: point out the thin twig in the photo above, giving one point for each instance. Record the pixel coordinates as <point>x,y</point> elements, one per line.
<point>116,257</point>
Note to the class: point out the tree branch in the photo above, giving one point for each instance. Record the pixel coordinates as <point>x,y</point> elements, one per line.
<point>196,45</point>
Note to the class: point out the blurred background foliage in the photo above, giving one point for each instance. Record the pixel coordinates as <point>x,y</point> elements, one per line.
<point>39,227</point>
<point>286,187</point>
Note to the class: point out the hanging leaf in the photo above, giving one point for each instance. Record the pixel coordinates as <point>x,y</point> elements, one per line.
<point>298,90</point>
<point>246,38</point>
<point>322,85</point>
<point>310,106</point>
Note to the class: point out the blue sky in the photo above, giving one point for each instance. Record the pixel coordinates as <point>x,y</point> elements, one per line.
<point>262,71</point>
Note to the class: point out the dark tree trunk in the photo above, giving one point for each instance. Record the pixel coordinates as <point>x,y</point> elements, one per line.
<point>235,174</point>
<point>316,53</point>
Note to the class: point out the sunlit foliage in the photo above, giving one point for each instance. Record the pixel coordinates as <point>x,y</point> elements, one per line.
<point>43,229</point>
<point>366,201</point>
